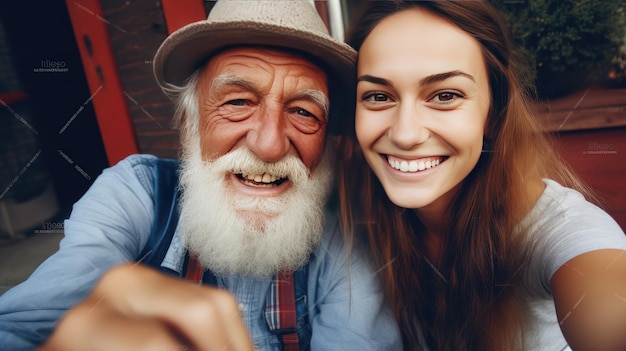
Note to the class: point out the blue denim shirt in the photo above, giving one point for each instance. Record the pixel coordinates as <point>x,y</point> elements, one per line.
<point>110,225</point>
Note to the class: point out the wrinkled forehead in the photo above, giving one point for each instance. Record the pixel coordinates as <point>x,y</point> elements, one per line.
<point>265,57</point>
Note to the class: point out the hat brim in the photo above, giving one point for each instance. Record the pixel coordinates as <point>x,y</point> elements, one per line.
<point>189,48</point>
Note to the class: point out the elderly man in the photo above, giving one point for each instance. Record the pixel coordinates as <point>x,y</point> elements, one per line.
<point>252,86</point>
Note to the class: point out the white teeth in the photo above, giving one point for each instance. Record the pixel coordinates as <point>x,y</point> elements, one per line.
<point>404,166</point>
<point>412,166</point>
<point>261,178</point>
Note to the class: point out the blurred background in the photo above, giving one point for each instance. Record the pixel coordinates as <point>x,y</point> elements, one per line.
<point>77,95</point>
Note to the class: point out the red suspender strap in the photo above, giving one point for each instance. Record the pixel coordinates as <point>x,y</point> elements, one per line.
<point>194,270</point>
<point>280,309</point>
<point>287,303</point>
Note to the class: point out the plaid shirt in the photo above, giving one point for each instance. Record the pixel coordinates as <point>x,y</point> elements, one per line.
<point>280,304</point>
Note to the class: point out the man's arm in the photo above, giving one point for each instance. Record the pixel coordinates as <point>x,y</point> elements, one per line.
<point>347,305</point>
<point>135,307</point>
<point>108,226</point>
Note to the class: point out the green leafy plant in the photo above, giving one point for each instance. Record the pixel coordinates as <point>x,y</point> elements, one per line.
<point>577,36</point>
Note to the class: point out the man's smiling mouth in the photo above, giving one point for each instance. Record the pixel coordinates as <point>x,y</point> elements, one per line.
<point>261,180</point>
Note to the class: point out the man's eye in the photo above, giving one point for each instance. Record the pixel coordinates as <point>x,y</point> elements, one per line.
<point>305,121</point>
<point>305,113</point>
<point>236,102</point>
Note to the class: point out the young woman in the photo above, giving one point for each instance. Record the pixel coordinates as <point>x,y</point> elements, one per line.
<point>484,236</point>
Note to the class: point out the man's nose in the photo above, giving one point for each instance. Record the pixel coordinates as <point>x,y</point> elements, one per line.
<point>408,128</point>
<point>268,138</point>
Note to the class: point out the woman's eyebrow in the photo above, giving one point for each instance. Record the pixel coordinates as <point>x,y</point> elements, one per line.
<point>438,77</point>
<point>373,79</point>
<point>433,78</point>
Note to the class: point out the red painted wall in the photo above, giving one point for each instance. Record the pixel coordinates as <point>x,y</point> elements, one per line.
<point>599,156</point>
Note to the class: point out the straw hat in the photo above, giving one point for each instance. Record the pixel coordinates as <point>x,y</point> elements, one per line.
<point>292,24</point>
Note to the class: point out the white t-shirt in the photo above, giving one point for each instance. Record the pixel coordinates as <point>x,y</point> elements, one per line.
<point>562,226</point>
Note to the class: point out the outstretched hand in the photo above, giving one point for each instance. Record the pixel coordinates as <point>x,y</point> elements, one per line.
<point>134,307</point>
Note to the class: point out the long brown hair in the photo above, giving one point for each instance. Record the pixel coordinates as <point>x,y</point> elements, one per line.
<point>472,298</point>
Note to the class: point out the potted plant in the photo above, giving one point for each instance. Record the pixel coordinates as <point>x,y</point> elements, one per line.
<point>569,42</point>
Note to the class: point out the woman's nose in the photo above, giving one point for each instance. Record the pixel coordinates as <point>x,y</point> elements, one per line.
<point>408,128</point>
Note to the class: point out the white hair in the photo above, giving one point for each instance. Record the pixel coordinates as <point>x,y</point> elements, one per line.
<point>185,99</point>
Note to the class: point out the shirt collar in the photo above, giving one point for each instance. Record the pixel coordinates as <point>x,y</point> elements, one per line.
<point>175,255</point>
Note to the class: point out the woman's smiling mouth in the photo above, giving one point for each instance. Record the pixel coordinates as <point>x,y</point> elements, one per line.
<point>413,166</point>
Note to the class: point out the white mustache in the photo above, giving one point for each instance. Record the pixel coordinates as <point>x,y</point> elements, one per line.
<point>245,162</point>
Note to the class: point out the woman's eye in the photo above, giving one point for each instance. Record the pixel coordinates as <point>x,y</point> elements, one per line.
<point>376,97</point>
<point>445,97</point>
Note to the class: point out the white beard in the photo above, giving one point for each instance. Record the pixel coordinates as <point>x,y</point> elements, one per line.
<point>235,234</point>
